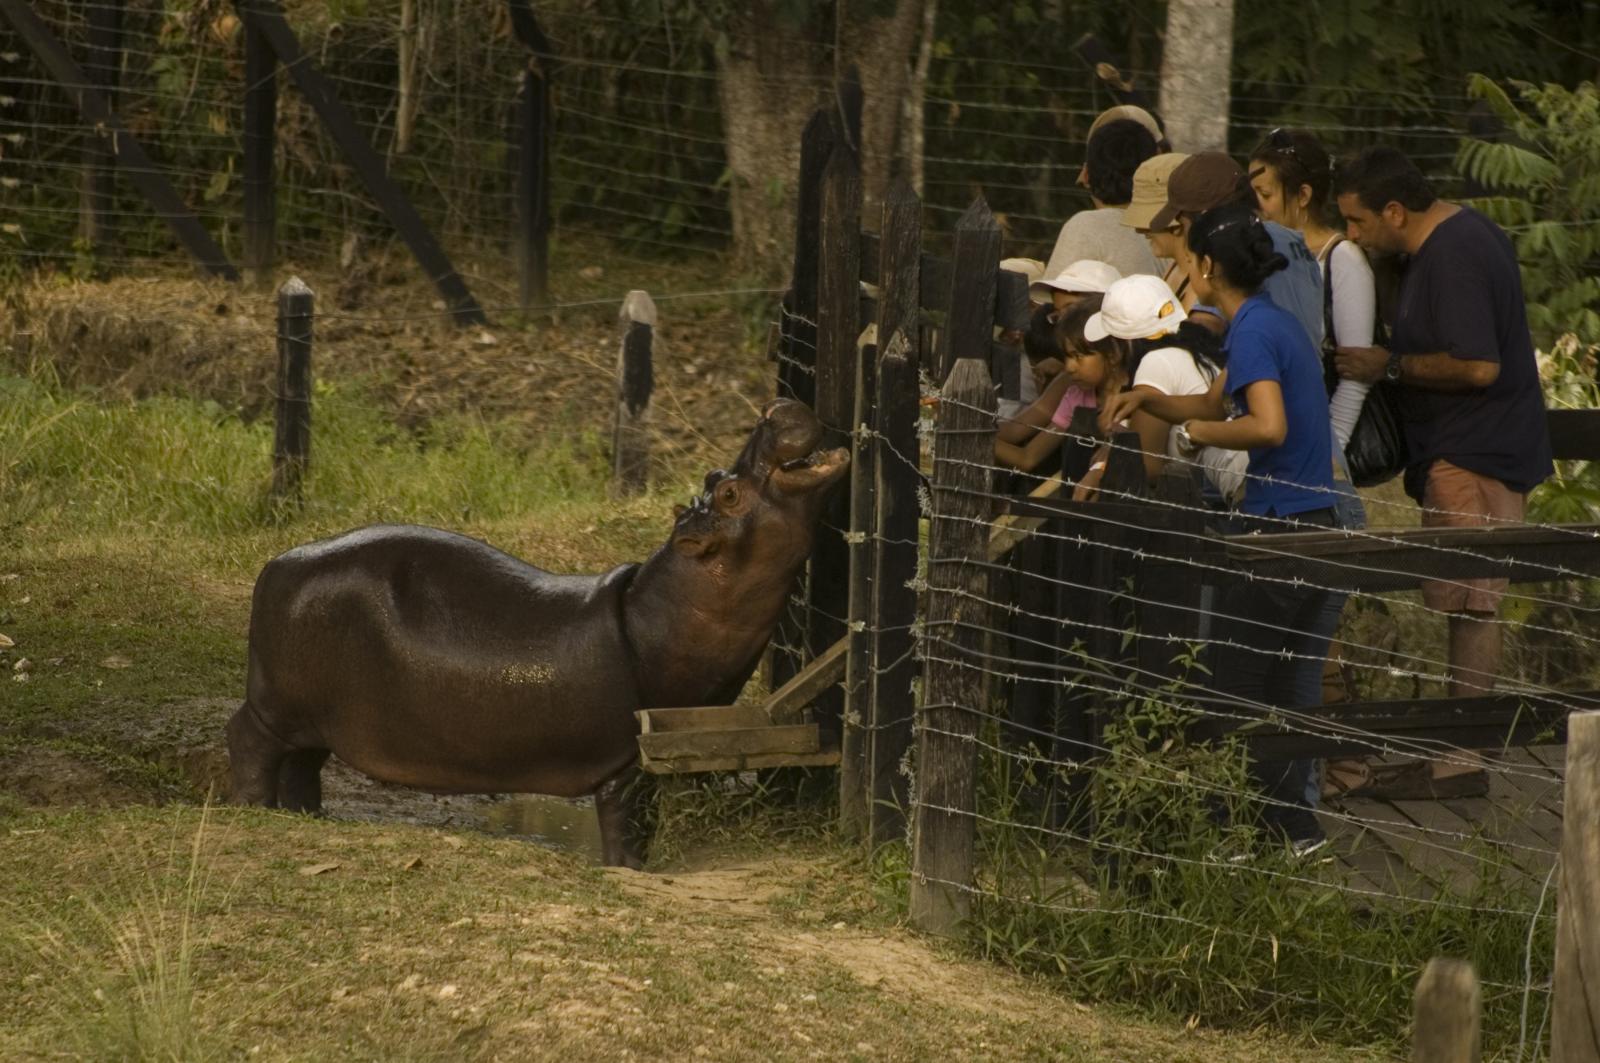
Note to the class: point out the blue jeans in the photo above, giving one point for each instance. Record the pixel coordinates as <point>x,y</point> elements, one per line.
<point>1350,515</point>
<point>1275,638</point>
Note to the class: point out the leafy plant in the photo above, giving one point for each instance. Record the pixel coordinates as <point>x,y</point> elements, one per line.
<point>1546,194</point>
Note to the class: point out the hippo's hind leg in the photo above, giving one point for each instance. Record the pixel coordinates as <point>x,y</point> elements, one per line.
<point>300,780</point>
<point>614,806</point>
<point>254,757</point>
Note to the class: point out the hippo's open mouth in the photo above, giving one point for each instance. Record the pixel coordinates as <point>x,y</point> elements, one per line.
<point>817,469</point>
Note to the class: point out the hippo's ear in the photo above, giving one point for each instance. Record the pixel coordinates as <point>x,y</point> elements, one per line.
<point>679,511</point>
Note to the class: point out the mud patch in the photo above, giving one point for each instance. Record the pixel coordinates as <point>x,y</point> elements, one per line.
<point>47,777</point>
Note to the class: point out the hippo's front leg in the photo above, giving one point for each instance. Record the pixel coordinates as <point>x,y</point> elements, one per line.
<point>614,806</point>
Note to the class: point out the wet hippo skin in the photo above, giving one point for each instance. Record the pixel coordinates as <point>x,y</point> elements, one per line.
<point>433,660</point>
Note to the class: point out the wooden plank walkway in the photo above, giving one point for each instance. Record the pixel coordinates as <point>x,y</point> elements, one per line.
<point>1425,849</point>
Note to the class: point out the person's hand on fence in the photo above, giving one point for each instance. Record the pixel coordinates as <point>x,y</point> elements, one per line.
<point>1120,407</point>
<point>1088,488</point>
<point>1364,364</point>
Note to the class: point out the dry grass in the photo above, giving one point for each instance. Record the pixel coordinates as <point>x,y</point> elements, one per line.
<point>312,940</point>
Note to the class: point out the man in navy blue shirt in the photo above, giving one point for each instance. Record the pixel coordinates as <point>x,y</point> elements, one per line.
<point>1475,416</point>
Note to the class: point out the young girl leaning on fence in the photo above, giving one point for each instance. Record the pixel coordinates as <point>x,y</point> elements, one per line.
<point>1266,631</point>
<point>1168,354</point>
<point>1077,373</point>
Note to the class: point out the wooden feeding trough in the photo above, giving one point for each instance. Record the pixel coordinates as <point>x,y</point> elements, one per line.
<point>776,734</point>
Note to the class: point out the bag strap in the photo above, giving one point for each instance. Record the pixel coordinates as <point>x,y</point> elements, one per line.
<point>1328,340</point>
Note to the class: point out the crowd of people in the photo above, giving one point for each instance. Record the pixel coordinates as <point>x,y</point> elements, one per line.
<point>1259,326</point>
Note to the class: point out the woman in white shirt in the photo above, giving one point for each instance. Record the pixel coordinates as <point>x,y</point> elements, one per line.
<point>1290,172</point>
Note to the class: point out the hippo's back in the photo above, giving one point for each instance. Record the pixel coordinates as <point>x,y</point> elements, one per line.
<point>427,658</point>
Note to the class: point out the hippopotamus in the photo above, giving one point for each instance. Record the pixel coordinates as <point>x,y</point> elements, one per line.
<point>429,659</point>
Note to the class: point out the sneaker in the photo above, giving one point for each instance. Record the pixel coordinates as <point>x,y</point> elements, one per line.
<point>1416,782</point>
<point>1301,848</point>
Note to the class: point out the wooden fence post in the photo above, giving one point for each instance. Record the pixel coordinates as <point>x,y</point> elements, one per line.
<point>533,186</point>
<point>103,63</point>
<point>838,326</point>
<point>1448,1013</point>
<point>889,665</point>
<point>855,736</point>
<point>958,614</point>
<point>797,359</point>
<point>260,140</point>
<point>894,602</point>
<point>969,329</point>
<point>1575,1020</point>
<point>630,438</point>
<point>291,447</point>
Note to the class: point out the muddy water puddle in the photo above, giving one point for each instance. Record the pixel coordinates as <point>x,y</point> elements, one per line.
<point>560,823</point>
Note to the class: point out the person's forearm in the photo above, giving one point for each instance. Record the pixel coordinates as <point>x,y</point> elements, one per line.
<point>1446,372</point>
<point>1241,433</point>
<point>1176,409</point>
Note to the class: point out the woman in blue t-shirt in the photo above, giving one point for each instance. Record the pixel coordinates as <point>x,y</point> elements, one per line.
<point>1270,401</point>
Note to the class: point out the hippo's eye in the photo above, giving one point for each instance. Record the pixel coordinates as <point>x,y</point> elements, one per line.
<point>728,493</point>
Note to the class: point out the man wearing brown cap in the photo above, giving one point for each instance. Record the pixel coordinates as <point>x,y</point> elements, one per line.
<point>1212,179</point>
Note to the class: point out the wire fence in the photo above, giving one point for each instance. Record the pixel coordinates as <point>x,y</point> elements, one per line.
<point>638,141</point>
<point>1129,837</point>
<point>1102,823</point>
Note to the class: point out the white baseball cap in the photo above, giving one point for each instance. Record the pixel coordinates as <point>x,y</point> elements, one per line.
<point>1137,307</point>
<point>1084,275</point>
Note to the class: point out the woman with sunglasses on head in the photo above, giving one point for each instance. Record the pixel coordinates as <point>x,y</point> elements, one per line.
<point>1291,173</point>
<point>1273,381</point>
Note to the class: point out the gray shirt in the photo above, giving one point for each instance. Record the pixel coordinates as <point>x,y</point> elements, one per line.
<point>1100,236</point>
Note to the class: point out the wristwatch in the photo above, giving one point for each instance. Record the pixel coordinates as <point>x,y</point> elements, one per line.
<point>1391,372</point>
<point>1180,437</point>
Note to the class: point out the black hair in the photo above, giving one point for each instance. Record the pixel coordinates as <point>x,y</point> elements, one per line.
<point>1203,345</point>
<point>1383,175</point>
<point>1114,153</point>
<point>1237,243</point>
<point>1070,323</point>
<point>1300,161</point>
<point>1039,339</point>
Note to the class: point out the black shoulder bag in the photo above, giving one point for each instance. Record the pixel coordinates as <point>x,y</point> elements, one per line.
<point>1376,452</point>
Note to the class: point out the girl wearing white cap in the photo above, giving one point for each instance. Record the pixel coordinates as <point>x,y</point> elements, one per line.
<point>1166,357</point>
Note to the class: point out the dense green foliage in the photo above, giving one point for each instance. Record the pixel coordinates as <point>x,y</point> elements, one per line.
<point>638,142</point>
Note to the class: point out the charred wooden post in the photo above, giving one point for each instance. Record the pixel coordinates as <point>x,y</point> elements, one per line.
<point>533,186</point>
<point>838,310</point>
<point>958,613</point>
<point>103,63</point>
<point>890,666</point>
<point>974,261</point>
<point>1575,1021</point>
<point>854,733</point>
<point>260,148</point>
<point>1448,1014</point>
<point>291,447</point>
<point>797,358</point>
<point>630,438</point>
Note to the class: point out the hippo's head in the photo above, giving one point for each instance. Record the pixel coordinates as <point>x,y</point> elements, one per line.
<point>762,512</point>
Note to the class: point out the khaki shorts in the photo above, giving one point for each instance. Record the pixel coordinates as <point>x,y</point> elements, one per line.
<point>1458,498</point>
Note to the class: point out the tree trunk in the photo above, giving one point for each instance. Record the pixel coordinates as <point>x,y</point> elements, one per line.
<point>884,51</point>
<point>1196,65</point>
<point>772,76</point>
